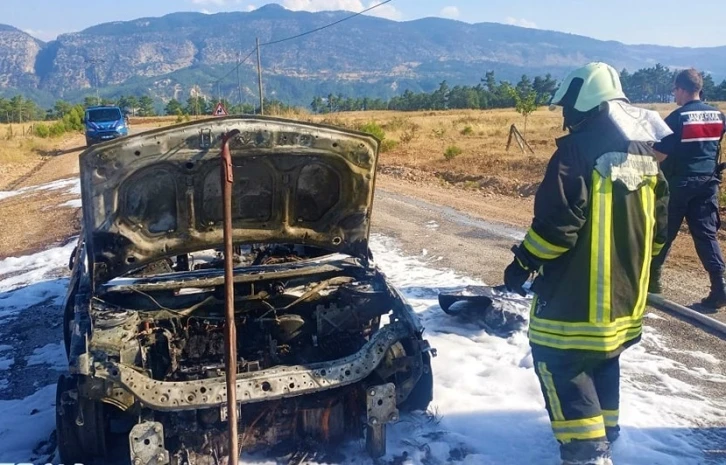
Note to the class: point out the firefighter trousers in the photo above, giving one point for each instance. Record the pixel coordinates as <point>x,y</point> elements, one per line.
<point>582,395</point>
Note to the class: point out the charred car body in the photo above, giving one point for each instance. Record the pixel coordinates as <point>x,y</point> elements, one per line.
<point>327,349</point>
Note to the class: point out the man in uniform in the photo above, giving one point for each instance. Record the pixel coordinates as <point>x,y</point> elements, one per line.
<point>690,163</point>
<point>599,216</point>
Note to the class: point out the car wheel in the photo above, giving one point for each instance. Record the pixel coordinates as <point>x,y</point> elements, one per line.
<point>89,142</point>
<point>78,443</point>
<point>423,392</point>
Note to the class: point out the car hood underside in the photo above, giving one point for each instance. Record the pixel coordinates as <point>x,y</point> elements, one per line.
<point>158,194</point>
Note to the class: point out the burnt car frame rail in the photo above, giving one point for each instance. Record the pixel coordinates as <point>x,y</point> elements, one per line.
<point>270,384</point>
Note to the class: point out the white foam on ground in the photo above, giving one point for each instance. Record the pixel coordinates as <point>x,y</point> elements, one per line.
<point>70,186</point>
<point>6,363</point>
<point>53,355</point>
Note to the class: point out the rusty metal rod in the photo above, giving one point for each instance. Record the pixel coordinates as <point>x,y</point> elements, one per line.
<point>230,339</point>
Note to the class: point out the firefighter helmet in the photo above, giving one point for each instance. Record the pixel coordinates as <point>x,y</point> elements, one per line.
<point>587,87</point>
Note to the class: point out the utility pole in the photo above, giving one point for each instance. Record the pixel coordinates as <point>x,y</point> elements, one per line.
<point>239,82</point>
<point>96,61</point>
<point>259,78</point>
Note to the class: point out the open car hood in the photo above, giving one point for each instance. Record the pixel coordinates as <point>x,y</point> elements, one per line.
<point>158,194</point>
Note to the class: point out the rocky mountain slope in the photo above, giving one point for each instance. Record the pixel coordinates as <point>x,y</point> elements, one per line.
<point>168,56</point>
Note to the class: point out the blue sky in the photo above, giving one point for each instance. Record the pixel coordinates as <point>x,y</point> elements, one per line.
<point>664,22</point>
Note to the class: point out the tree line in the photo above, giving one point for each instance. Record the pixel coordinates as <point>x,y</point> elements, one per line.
<point>487,94</point>
<point>646,85</point>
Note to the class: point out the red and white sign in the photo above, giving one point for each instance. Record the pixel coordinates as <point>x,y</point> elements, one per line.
<point>702,126</point>
<point>220,110</point>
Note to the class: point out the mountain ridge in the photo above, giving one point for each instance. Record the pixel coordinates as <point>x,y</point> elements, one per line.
<point>175,54</point>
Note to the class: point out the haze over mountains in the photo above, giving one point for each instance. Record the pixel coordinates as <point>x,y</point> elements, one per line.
<point>367,56</point>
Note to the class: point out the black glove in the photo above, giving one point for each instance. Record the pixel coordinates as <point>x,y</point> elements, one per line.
<point>520,270</point>
<point>515,275</point>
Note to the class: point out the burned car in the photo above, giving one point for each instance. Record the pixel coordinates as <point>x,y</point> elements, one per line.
<point>326,349</point>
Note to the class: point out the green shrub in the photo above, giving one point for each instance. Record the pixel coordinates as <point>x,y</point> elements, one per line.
<point>452,152</point>
<point>375,130</point>
<point>57,129</point>
<point>467,131</point>
<point>387,145</point>
<point>42,130</point>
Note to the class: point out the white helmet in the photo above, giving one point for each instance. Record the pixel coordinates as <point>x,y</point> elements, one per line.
<point>586,88</point>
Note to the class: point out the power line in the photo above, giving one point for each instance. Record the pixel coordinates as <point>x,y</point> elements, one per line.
<point>297,36</point>
<point>274,42</point>
<point>236,67</point>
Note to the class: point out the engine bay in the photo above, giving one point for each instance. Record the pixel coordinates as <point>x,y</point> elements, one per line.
<point>179,333</point>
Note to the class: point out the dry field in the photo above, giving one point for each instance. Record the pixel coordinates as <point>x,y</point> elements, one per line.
<point>415,145</point>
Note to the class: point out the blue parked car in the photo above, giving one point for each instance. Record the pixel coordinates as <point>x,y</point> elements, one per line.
<point>104,123</point>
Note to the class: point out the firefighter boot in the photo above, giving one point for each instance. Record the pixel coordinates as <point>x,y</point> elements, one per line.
<point>654,286</point>
<point>586,452</point>
<point>717,298</point>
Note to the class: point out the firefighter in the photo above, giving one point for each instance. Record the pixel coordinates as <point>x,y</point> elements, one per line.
<point>599,216</point>
<point>689,162</point>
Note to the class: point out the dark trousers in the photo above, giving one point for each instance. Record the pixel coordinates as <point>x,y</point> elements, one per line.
<point>696,200</point>
<point>582,395</point>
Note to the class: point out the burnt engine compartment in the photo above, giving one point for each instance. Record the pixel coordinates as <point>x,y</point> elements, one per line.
<point>176,333</point>
<point>307,319</point>
<point>284,329</point>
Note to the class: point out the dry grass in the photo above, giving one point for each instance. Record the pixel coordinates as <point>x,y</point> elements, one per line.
<point>475,142</point>
<point>20,155</point>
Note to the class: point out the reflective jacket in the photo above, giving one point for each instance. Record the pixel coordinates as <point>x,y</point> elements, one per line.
<point>600,215</point>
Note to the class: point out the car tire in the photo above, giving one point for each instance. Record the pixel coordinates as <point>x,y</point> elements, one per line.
<point>89,142</point>
<point>78,443</point>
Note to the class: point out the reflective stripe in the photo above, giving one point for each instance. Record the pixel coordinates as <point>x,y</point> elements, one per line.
<point>541,248</point>
<point>551,391</point>
<point>647,196</point>
<point>611,418</point>
<point>564,328</point>
<point>657,248</point>
<point>598,344</point>
<point>600,263</point>
<point>589,428</point>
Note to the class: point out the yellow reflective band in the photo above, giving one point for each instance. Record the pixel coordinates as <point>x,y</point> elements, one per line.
<point>541,248</point>
<point>600,248</point>
<point>657,248</point>
<point>647,196</point>
<point>549,385</point>
<point>611,418</point>
<point>589,343</point>
<point>589,428</point>
<point>565,328</point>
